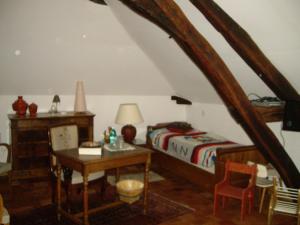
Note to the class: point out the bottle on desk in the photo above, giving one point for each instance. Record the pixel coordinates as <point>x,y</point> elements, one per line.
<point>112,136</point>
<point>106,134</point>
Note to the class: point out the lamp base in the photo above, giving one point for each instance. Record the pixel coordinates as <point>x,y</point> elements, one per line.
<point>128,132</point>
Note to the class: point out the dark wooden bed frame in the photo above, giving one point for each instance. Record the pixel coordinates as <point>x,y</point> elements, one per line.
<point>200,177</point>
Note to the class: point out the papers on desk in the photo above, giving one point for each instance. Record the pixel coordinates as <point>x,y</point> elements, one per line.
<point>90,150</point>
<point>125,147</point>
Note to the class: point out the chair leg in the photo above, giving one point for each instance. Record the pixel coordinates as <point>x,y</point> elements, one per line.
<point>270,215</point>
<point>224,199</point>
<point>68,191</point>
<point>251,203</point>
<point>53,189</point>
<point>243,205</point>
<point>215,204</point>
<point>262,198</point>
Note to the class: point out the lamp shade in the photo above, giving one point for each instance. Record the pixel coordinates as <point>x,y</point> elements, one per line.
<point>80,104</point>
<point>129,113</point>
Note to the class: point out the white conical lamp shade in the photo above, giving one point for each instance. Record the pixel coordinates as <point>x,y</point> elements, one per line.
<point>80,104</point>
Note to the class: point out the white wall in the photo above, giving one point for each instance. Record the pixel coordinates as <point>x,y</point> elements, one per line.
<point>153,108</point>
<point>290,140</point>
<point>216,118</point>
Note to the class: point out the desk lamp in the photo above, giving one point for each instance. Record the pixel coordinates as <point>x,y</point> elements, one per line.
<point>55,102</point>
<point>127,115</point>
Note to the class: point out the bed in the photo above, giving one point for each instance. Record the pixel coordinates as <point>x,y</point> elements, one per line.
<point>195,155</point>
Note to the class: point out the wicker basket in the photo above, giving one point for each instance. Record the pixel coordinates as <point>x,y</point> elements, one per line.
<point>130,190</point>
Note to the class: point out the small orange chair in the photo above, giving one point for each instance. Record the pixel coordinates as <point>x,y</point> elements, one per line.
<point>227,190</point>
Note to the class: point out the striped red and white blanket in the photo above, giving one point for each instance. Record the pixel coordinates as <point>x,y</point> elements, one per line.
<point>195,147</point>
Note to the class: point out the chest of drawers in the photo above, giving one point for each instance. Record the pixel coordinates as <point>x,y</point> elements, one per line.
<point>30,142</point>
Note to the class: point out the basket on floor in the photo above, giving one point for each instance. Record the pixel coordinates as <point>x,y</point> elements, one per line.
<point>130,190</point>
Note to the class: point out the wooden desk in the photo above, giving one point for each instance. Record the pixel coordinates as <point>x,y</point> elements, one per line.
<point>86,164</point>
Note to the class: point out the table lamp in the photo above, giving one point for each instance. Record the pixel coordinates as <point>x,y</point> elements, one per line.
<point>55,102</point>
<point>127,115</point>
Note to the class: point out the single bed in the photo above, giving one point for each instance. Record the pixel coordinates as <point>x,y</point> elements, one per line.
<point>196,155</point>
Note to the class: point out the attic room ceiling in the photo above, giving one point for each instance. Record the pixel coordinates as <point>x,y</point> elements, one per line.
<point>47,45</point>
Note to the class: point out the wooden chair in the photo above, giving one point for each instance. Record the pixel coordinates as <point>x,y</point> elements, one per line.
<point>284,201</point>
<point>4,216</point>
<point>62,138</point>
<point>226,188</point>
<point>5,160</point>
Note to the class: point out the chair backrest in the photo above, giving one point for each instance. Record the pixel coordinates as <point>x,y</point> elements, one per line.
<point>285,200</point>
<point>63,137</point>
<point>4,153</point>
<point>241,169</point>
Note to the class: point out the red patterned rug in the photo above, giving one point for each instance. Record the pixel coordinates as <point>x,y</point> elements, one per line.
<point>160,209</point>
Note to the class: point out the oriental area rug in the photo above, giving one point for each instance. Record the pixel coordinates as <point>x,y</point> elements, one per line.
<point>161,209</point>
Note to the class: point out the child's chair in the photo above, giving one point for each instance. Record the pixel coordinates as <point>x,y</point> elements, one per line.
<point>227,190</point>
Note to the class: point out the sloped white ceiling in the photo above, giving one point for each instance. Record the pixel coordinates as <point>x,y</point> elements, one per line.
<point>46,45</point>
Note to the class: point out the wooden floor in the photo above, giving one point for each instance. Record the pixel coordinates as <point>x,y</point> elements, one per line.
<point>37,194</point>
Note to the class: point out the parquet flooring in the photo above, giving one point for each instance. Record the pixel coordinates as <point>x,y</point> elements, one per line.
<point>34,195</point>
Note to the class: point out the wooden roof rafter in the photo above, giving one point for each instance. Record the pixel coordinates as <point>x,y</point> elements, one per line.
<point>243,44</point>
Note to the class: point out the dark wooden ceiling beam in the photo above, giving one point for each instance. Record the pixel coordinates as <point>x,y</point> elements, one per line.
<point>244,45</point>
<point>167,15</point>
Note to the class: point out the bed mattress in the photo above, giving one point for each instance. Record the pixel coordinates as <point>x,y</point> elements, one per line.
<point>195,147</point>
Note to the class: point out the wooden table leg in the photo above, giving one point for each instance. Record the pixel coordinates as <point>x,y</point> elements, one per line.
<point>262,197</point>
<point>117,175</point>
<point>85,200</point>
<point>58,190</point>
<point>146,180</point>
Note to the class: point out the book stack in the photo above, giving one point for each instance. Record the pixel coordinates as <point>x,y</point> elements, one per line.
<point>90,148</point>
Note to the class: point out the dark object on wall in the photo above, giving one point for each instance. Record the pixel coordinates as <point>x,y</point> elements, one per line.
<point>291,117</point>
<point>101,2</point>
<point>180,100</point>
<point>20,106</point>
<point>267,101</point>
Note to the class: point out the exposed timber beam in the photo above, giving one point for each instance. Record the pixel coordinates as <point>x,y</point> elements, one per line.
<point>243,44</point>
<point>167,15</point>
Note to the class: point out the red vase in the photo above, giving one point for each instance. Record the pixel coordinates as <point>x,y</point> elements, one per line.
<point>20,106</point>
<point>33,109</point>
